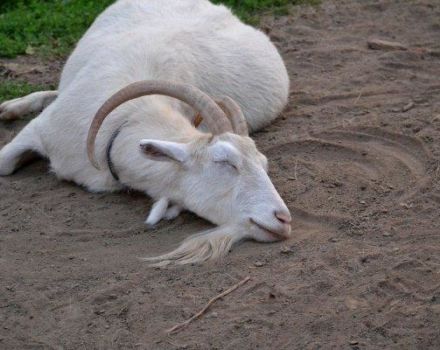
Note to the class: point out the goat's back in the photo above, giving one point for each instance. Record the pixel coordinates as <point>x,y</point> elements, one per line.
<point>191,41</point>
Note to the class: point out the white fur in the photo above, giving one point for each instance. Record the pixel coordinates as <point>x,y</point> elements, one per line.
<point>157,212</point>
<point>31,103</point>
<point>188,41</point>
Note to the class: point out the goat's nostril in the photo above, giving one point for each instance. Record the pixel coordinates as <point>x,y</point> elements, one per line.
<point>284,217</point>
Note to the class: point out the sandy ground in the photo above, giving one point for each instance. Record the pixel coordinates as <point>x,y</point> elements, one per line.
<point>356,156</point>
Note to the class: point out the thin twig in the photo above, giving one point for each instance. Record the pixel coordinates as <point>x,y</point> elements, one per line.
<point>182,325</point>
<point>295,170</point>
<point>357,99</point>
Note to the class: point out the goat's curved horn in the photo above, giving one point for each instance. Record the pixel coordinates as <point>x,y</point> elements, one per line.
<point>213,115</point>
<point>235,114</point>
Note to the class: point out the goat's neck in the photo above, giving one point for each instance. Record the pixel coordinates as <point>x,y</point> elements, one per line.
<point>156,178</point>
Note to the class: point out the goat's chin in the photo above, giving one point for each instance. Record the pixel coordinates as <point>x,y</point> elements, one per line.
<point>260,235</point>
<point>264,237</point>
<point>207,245</point>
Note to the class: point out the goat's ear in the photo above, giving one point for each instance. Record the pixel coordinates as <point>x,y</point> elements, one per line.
<point>164,150</point>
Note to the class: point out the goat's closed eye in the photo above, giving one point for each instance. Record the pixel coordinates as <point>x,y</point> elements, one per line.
<point>227,164</point>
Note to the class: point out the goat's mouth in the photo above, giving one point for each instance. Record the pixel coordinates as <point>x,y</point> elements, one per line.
<point>277,235</point>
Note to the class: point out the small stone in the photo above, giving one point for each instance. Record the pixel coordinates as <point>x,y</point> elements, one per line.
<point>259,263</point>
<point>377,44</point>
<point>408,106</point>
<point>286,250</point>
<point>354,342</point>
<point>420,99</point>
<point>358,113</point>
<point>387,234</point>
<point>362,202</point>
<point>333,240</point>
<point>405,205</point>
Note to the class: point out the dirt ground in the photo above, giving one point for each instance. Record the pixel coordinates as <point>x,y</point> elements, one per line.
<point>356,156</point>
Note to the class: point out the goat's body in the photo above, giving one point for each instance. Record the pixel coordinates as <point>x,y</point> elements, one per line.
<point>182,41</point>
<point>190,41</point>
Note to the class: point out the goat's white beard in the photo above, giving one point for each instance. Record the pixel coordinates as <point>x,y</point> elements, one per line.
<point>207,245</point>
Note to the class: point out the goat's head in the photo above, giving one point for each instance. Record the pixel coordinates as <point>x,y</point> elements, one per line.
<point>223,176</point>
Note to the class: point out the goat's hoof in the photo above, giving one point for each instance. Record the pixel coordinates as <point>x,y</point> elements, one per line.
<point>6,168</point>
<point>6,115</point>
<point>6,172</point>
<point>10,110</point>
<point>150,226</point>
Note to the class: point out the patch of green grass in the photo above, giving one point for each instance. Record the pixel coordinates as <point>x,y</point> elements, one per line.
<point>52,27</point>
<point>48,27</point>
<point>12,89</point>
<point>249,10</point>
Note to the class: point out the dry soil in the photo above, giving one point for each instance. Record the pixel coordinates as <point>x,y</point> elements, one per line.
<point>356,156</point>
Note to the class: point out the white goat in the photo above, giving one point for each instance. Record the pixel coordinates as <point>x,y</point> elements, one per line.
<point>173,50</point>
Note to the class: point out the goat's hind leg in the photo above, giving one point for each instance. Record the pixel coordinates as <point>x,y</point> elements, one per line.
<point>162,210</point>
<point>21,149</point>
<point>31,103</point>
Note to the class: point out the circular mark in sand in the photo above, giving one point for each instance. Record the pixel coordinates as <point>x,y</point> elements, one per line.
<point>339,173</point>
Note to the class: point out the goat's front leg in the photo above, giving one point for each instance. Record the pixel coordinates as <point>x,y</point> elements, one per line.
<point>162,210</point>
<point>15,152</point>
<point>157,212</point>
<point>173,212</point>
